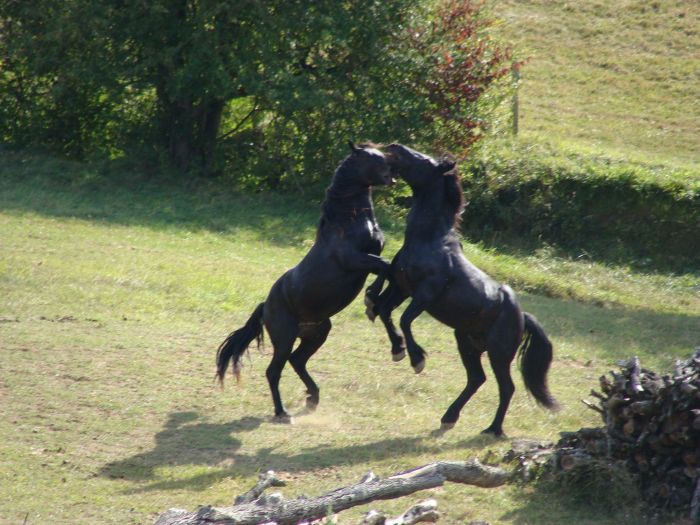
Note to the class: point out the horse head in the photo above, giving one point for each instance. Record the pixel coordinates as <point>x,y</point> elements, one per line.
<point>416,168</point>
<point>369,165</point>
<point>422,172</point>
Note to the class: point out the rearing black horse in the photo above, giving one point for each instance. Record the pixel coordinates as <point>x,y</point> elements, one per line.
<point>301,302</point>
<point>431,268</point>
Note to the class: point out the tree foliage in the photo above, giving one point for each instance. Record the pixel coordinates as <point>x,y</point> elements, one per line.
<point>266,90</point>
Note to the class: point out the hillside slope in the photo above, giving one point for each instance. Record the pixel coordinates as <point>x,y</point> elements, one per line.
<point>617,78</point>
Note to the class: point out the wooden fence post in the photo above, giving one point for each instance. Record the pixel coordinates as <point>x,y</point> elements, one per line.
<point>516,104</point>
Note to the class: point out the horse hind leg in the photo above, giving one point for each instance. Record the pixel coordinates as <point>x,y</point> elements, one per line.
<point>502,344</point>
<point>282,333</point>
<point>312,338</point>
<point>471,359</point>
<point>501,359</point>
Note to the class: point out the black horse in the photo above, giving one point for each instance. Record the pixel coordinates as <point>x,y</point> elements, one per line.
<point>301,302</point>
<point>431,268</point>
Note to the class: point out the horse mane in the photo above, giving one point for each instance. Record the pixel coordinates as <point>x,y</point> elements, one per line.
<point>370,144</point>
<point>328,207</point>
<point>454,195</point>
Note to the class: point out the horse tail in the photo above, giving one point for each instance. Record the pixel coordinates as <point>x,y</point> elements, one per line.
<point>235,345</point>
<point>535,359</point>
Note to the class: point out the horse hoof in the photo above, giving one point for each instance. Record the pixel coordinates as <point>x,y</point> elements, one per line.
<point>444,427</point>
<point>497,433</point>
<point>369,312</point>
<point>311,405</point>
<point>419,367</point>
<point>283,419</point>
<point>398,356</point>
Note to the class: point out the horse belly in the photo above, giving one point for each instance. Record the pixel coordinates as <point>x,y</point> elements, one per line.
<point>457,309</point>
<point>326,293</point>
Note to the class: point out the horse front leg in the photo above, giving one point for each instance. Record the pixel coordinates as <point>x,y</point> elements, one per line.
<point>374,290</point>
<point>415,352</point>
<point>423,296</point>
<point>353,260</point>
<point>372,296</point>
<point>387,302</point>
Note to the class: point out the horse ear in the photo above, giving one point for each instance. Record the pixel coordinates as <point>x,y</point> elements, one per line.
<point>446,165</point>
<point>353,147</point>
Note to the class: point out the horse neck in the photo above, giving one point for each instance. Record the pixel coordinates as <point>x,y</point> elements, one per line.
<point>346,200</point>
<point>430,216</point>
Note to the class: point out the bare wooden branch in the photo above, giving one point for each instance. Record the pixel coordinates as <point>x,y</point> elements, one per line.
<point>425,511</point>
<point>370,488</point>
<point>592,406</point>
<point>635,369</point>
<point>422,512</point>
<point>269,479</point>
<point>374,517</point>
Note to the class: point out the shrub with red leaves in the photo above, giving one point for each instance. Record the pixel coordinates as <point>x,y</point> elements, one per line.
<point>464,63</point>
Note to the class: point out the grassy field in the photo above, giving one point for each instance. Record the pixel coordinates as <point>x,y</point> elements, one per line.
<point>615,78</point>
<point>116,295</point>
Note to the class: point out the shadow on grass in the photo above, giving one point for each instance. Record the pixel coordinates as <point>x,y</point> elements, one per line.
<point>616,332</point>
<point>189,439</point>
<point>72,190</point>
<point>119,195</point>
<point>183,442</point>
<point>545,506</point>
<point>612,252</point>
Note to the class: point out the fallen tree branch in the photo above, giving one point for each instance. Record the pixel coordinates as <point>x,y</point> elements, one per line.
<point>424,511</point>
<point>269,479</point>
<point>274,509</point>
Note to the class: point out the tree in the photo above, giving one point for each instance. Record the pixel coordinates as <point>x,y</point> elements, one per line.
<point>56,87</point>
<point>272,88</point>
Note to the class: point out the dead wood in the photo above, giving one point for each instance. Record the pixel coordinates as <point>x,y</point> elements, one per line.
<point>254,507</point>
<point>651,429</point>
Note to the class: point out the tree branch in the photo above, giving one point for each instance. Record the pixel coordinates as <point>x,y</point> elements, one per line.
<point>277,510</point>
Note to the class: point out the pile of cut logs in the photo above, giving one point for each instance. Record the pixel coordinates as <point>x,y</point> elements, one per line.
<point>652,424</point>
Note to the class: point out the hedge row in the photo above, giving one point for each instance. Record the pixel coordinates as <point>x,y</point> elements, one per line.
<point>592,205</point>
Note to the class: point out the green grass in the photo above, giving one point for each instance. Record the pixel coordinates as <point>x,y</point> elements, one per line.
<point>116,294</point>
<point>618,78</point>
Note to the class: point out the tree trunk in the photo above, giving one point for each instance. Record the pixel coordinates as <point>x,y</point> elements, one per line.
<point>191,130</point>
<point>210,122</point>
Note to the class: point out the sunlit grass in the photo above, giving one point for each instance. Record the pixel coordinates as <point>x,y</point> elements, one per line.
<point>115,300</point>
<point>618,78</point>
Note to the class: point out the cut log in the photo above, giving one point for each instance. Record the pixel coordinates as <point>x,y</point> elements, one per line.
<point>288,512</point>
<point>652,427</point>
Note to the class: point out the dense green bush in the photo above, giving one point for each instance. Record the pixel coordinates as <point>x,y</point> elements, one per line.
<point>586,204</point>
<point>267,92</point>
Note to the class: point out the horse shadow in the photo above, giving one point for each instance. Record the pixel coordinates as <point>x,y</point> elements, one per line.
<point>187,439</point>
<point>183,442</point>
